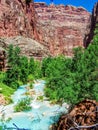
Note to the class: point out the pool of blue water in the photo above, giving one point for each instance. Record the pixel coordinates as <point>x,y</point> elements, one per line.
<point>40,117</point>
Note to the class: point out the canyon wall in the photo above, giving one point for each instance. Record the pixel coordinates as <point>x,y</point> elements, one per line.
<point>94,21</point>
<point>61,28</point>
<point>17,18</point>
<point>57,28</point>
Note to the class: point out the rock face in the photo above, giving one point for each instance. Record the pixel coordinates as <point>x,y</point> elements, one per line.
<point>29,47</point>
<point>17,18</point>
<point>58,28</point>
<point>84,116</point>
<point>94,21</point>
<point>61,28</point>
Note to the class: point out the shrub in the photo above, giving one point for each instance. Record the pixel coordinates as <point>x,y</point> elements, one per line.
<point>23,105</point>
<point>30,77</point>
<point>6,91</point>
<point>41,98</point>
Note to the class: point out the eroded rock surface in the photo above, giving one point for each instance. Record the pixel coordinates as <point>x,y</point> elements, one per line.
<point>17,18</point>
<point>84,114</point>
<point>61,28</point>
<point>29,47</point>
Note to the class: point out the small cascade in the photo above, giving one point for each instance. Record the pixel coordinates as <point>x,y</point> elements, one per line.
<point>42,114</point>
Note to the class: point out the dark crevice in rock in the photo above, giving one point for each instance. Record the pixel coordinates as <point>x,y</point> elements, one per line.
<point>94,21</point>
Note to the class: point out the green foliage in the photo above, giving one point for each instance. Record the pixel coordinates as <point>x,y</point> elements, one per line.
<point>72,80</point>
<point>20,82</point>
<point>31,85</point>
<point>41,98</point>
<point>30,78</point>
<point>3,121</point>
<point>23,105</point>
<point>1,127</point>
<point>2,76</point>
<point>37,70</point>
<point>13,73</point>
<point>31,66</point>
<point>44,66</point>
<point>6,91</point>
<point>23,69</point>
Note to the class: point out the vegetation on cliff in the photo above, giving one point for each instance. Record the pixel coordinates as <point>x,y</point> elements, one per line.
<point>21,69</point>
<point>76,79</point>
<point>68,79</point>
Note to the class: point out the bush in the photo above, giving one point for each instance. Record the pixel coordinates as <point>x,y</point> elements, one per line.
<point>41,98</point>
<point>6,90</point>
<point>31,86</point>
<point>23,105</point>
<point>2,76</point>
<point>20,82</point>
<point>30,78</point>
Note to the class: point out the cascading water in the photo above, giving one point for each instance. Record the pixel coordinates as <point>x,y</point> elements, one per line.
<point>42,114</point>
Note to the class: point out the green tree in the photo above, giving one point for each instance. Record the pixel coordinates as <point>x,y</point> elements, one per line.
<point>31,66</point>
<point>23,69</point>
<point>73,80</point>
<point>37,69</point>
<point>12,74</point>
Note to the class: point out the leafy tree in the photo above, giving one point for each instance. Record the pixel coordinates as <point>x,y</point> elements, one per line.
<point>45,63</point>
<point>23,69</point>
<point>10,54</point>
<point>37,69</point>
<point>31,66</point>
<point>72,80</point>
<point>12,73</point>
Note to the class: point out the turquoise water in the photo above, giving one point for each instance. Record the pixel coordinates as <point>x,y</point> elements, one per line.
<point>40,117</point>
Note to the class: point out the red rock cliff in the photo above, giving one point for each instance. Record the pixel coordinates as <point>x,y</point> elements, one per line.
<point>94,21</point>
<point>17,18</point>
<point>61,28</point>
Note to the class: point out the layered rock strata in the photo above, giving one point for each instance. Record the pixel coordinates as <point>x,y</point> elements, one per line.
<point>17,18</point>
<point>57,27</point>
<point>61,28</point>
<point>29,47</point>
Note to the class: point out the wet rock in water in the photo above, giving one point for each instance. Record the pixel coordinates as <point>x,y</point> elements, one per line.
<point>84,116</point>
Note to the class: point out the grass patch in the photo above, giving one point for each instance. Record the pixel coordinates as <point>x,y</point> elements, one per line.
<point>7,92</point>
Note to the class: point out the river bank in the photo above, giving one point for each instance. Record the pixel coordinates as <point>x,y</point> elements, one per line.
<point>42,114</point>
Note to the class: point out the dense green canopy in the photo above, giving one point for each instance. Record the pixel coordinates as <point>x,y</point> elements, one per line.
<point>72,80</point>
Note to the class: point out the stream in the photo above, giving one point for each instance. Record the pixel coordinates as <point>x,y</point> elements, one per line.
<point>42,115</point>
